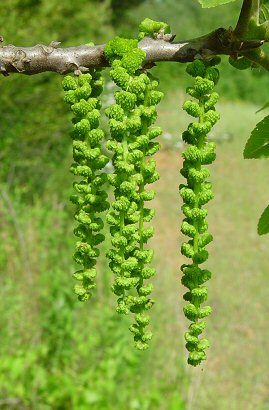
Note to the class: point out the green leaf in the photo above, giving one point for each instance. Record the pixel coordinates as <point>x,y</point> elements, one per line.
<point>213,3</point>
<point>263,224</point>
<point>257,145</point>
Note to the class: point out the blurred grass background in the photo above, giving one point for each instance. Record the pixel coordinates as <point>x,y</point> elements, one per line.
<point>59,354</point>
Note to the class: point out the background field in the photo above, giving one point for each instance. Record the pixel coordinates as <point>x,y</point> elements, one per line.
<point>59,354</point>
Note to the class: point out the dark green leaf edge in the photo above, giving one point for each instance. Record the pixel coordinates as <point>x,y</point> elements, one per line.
<point>263,224</point>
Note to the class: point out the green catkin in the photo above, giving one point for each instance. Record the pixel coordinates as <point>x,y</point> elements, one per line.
<point>81,93</point>
<point>196,193</point>
<point>132,143</point>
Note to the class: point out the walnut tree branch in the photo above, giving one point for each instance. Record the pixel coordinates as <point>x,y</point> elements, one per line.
<point>41,58</point>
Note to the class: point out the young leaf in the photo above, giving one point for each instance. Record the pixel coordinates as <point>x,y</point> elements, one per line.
<point>263,224</point>
<point>213,3</point>
<point>257,145</point>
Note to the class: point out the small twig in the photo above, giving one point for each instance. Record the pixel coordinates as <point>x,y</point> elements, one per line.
<point>244,18</point>
<point>250,11</point>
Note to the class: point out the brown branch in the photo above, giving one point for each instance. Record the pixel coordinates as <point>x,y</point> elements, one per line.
<point>41,58</point>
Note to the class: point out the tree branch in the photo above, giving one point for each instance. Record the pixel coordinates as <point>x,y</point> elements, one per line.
<point>41,58</point>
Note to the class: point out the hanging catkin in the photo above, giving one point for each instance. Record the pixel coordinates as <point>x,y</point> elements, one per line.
<point>132,143</point>
<point>82,95</point>
<point>196,193</point>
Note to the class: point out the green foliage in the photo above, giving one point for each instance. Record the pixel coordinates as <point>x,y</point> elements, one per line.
<point>213,3</point>
<point>196,193</point>
<point>131,142</point>
<point>82,95</point>
<point>263,224</point>
<point>257,145</point>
